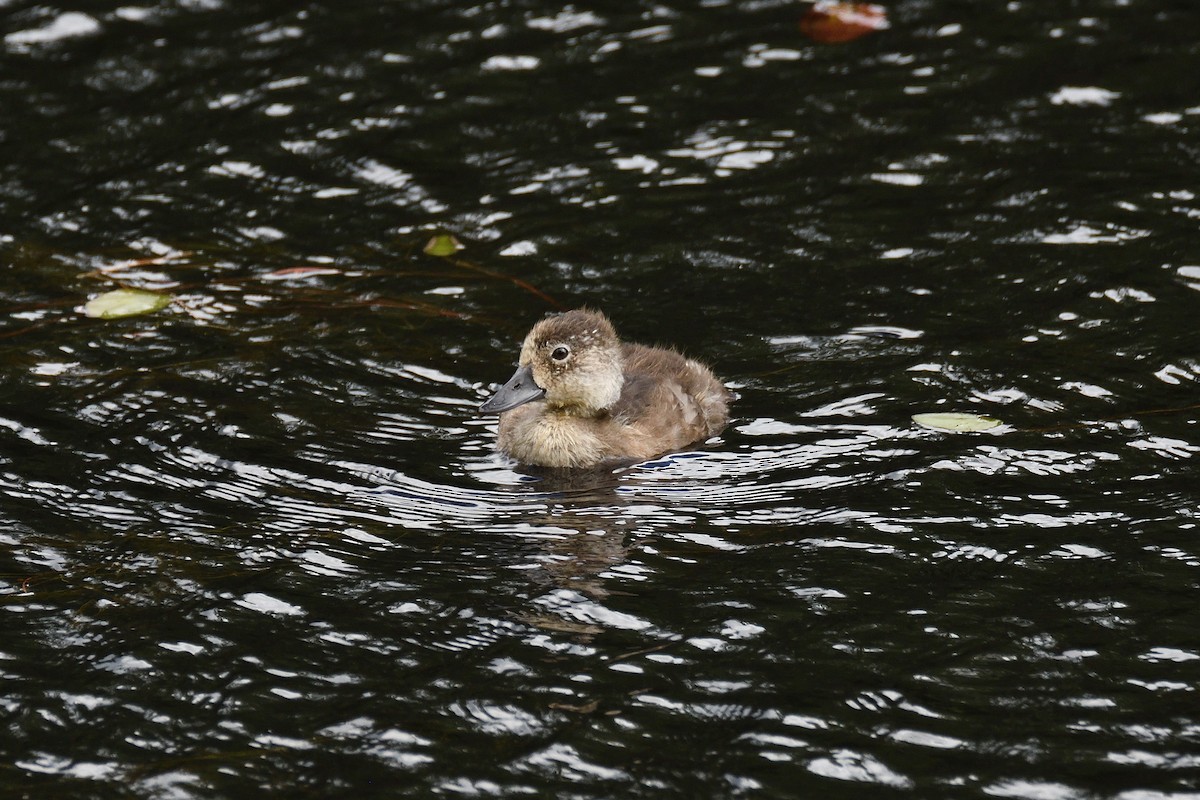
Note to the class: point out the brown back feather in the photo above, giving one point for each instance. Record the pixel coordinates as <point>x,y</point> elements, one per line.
<point>669,397</point>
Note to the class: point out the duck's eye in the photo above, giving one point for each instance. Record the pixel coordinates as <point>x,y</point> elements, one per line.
<point>560,353</point>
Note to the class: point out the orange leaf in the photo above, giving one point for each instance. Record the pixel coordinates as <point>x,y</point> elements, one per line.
<point>829,22</point>
<point>298,272</point>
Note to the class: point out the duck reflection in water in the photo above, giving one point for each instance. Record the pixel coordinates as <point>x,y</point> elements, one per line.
<point>582,530</point>
<point>581,398</point>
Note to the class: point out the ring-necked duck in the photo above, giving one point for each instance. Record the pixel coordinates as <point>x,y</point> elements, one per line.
<point>580,397</point>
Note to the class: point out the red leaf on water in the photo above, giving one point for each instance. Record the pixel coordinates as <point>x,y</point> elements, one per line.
<point>299,272</point>
<point>830,23</point>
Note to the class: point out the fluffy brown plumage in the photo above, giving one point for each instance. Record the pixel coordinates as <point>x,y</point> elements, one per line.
<point>580,397</point>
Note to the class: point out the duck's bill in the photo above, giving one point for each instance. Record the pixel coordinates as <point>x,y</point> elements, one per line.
<point>519,390</point>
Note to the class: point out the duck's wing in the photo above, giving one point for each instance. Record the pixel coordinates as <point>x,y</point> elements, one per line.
<point>670,398</point>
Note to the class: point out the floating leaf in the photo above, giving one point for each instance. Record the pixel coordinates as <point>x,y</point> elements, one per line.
<point>956,421</point>
<point>830,23</point>
<point>126,303</point>
<point>442,245</point>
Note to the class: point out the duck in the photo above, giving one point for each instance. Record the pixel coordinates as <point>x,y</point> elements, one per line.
<point>582,398</point>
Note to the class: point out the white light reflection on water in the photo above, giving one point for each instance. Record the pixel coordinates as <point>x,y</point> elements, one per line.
<point>69,25</point>
<point>261,540</point>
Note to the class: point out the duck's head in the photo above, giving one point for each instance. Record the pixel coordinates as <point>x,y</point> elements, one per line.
<point>572,360</point>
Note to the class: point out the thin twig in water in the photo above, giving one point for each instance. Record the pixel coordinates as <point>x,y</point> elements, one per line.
<point>1066,426</point>
<point>501,276</point>
<point>643,652</point>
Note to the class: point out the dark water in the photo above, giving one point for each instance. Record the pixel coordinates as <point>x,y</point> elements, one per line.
<point>258,544</point>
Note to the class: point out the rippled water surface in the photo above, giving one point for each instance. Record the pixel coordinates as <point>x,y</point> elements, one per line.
<point>259,544</point>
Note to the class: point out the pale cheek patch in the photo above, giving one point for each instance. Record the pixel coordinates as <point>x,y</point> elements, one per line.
<point>527,350</point>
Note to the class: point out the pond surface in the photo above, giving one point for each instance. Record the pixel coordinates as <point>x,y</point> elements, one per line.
<point>259,543</point>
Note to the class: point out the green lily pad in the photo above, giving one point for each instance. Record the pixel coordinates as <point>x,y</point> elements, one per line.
<point>125,303</point>
<point>956,421</point>
<point>443,244</point>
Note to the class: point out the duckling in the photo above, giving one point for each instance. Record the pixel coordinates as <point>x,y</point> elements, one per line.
<point>581,398</point>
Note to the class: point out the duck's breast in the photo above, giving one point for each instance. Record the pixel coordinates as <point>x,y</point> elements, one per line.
<point>533,434</point>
